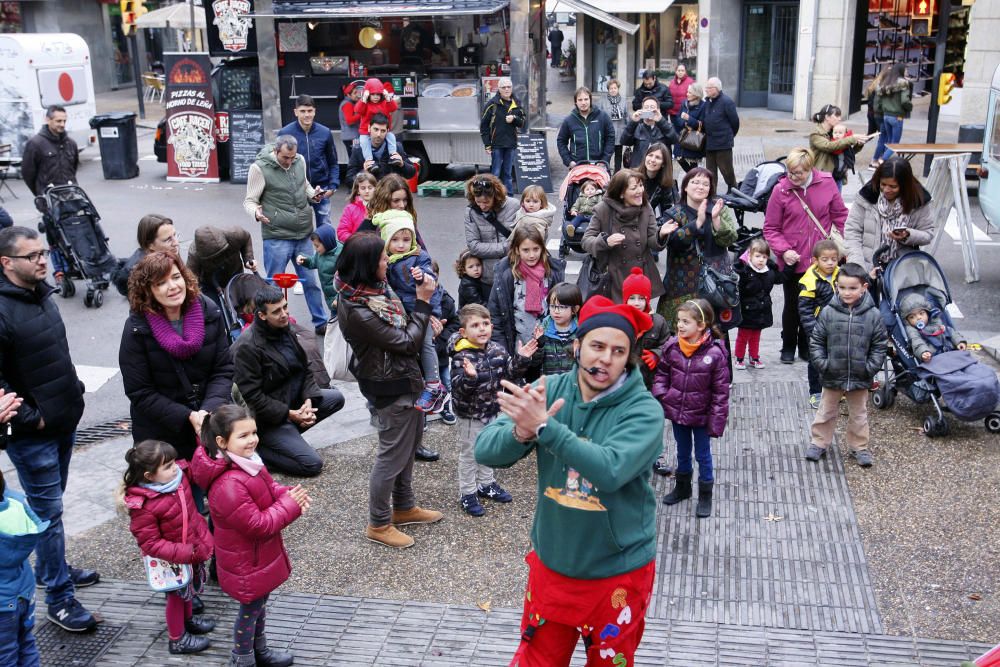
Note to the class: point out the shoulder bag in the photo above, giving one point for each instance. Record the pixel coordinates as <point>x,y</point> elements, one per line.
<point>163,576</point>
<point>833,234</point>
<point>693,140</point>
<point>593,279</point>
<point>720,288</point>
<point>338,356</point>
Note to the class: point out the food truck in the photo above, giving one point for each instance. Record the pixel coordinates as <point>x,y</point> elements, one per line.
<point>443,59</point>
<point>989,169</point>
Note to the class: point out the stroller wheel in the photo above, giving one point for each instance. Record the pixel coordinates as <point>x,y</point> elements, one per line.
<point>66,288</point>
<point>935,428</point>
<point>88,299</point>
<point>98,299</point>
<point>884,397</point>
<point>992,422</point>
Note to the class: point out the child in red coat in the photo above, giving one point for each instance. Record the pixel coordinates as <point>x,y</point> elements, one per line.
<point>249,510</point>
<point>375,100</point>
<point>167,525</point>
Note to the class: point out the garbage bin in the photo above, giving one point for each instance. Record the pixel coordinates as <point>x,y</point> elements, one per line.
<point>119,150</point>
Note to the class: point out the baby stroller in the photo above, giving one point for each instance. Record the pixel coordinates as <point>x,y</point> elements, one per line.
<point>235,298</point>
<point>751,196</point>
<point>72,226</point>
<point>951,381</point>
<point>599,172</point>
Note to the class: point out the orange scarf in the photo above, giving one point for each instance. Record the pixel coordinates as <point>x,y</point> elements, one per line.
<point>689,349</point>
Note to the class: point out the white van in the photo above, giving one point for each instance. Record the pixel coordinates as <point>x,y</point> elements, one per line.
<point>36,71</point>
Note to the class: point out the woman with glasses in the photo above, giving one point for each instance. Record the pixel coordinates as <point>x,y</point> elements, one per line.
<point>489,221</point>
<point>804,207</point>
<point>156,233</point>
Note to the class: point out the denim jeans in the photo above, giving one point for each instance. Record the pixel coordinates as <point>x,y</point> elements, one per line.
<point>17,643</point>
<point>892,132</point>
<point>322,209</point>
<point>278,253</point>
<point>42,464</point>
<point>58,262</point>
<point>502,165</point>
<point>685,437</point>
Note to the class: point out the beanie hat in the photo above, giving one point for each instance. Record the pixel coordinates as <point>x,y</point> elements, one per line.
<point>637,283</point>
<point>392,221</point>
<point>600,312</point>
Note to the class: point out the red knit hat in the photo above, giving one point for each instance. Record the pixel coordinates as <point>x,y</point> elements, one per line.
<point>600,311</point>
<point>637,283</point>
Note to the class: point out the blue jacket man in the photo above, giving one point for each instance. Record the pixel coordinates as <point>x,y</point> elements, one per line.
<point>317,146</point>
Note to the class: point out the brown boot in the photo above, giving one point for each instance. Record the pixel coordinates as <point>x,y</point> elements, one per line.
<point>389,536</point>
<point>415,515</point>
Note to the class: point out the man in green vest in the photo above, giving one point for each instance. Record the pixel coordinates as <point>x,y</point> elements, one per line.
<point>279,198</point>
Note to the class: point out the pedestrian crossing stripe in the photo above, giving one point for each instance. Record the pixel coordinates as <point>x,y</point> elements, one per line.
<point>572,265</point>
<point>95,377</point>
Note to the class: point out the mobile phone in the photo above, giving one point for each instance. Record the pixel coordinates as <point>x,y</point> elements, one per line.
<point>646,114</point>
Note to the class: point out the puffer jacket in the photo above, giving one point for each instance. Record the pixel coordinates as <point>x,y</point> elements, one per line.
<point>863,229</point>
<point>404,285</point>
<point>586,139</point>
<point>386,358</point>
<point>49,159</point>
<point>936,336</point>
<point>476,397</point>
<point>585,204</point>
<point>894,100</point>
<point>787,226</point>
<point>219,254</point>
<point>367,109</point>
<point>642,135</point>
<point>449,315</point>
<point>678,92</point>
<point>642,239</point>
<point>660,91</point>
<point>351,218</point>
<point>326,263</point>
<point>157,397</point>
<point>319,149</point>
<point>17,578</point>
<point>815,292</point>
<point>157,523</point>
<point>248,513</point>
<point>720,121</point>
<point>554,354</point>
<point>501,303</point>
<point>541,219</point>
<point>482,238</point>
<point>755,294</point>
<point>473,290</point>
<point>494,129</point>
<point>35,361</point>
<point>694,391</point>
<point>848,345</point>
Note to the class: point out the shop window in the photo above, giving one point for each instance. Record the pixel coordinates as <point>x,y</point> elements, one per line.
<point>605,59</point>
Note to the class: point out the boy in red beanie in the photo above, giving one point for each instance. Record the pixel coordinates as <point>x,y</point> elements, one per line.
<point>637,292</point>
<point>376,99</point>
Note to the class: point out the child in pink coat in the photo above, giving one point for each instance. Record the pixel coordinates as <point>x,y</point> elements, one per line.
<point>357,208</point>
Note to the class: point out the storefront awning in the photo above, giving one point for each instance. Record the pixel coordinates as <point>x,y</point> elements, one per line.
<point>590,9</point>
<point>318,9</point>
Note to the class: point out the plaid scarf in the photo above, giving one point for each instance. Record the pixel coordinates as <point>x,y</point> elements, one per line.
<point>379,298</point>
<point>892,217</point>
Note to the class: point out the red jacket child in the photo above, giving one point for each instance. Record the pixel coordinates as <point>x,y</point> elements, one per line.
<point>368,106</point>
<point>249,513</point>
<point>157,522</point>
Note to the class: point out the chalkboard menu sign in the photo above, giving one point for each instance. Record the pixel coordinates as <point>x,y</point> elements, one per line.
<point>531,165</point>
<point>246,137</point>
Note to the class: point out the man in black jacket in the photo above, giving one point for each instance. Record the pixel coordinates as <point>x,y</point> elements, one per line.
<point>35,363</point>
<point>498,129</point>
<point>384,162</point>
<point>555,43</point>
<point>651,87</point>
<point>721,123</point>
<point>274,377</point>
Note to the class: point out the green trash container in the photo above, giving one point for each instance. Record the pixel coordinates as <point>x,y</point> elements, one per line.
<point>119,149</point>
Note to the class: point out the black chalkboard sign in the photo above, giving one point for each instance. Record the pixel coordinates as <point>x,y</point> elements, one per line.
<point>246,137</point>
<point>531,165</point>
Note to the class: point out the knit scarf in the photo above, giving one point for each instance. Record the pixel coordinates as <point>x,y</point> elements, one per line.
<point>180,346</point>
<point>891,216</point>
<point>688,348</point>
<point>617,108</point>
<point>380,299</point>
<point>534,287</point>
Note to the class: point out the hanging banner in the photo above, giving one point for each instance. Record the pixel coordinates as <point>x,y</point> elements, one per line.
<point>191,149</point>
<point>230,28</point>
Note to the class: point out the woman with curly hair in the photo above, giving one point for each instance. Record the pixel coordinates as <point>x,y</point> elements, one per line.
<point>174,354</point>
<point>489,221</point>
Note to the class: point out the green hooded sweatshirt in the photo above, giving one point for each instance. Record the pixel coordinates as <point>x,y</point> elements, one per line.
<point>596,512</point>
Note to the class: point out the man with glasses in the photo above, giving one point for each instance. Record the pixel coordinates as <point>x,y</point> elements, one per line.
<point>498,128</point>
<point>35,363</point>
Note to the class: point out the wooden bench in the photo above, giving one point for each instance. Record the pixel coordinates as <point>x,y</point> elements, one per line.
<point>441,188</point>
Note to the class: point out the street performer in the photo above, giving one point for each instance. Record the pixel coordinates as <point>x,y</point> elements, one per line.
<point>596,432</point>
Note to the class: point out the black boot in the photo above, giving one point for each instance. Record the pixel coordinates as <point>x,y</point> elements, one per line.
<point>188,643</point>
<point>424,454</point>
<point>197,606</point>
<point>268,657</point>
<point>704,500</point>
<point>199,625</point>
<point>682,489</point>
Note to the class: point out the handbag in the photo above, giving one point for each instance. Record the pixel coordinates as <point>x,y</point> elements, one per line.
<point>592,280</point>
<point>338,355</point>
<point>693,140</point>
<point>720,288</point>
<point>192,392</point>
<point>163,576</point>
<point>833,234</point>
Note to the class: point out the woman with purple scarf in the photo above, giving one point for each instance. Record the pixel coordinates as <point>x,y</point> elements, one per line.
<point>174,354</point>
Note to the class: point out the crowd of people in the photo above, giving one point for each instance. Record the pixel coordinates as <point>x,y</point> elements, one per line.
<point>584,375</point>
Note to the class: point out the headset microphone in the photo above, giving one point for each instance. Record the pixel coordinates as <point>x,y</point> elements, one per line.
<point>593,370</point>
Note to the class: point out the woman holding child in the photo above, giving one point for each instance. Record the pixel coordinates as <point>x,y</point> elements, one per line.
<point>829,141</point>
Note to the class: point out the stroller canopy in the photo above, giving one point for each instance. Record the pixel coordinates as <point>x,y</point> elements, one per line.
<point>914,270</point>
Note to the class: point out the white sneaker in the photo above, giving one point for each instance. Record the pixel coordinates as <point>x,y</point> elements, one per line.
<point>298,289</point>
<point>740,365</point>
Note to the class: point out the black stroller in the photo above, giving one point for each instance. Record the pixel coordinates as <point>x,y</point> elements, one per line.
<point>599,172</point>
<point>751,196</point>
<point>951,381</point>
<point>72,226</point>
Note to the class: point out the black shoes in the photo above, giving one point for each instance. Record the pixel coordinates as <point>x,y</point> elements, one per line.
<point>188,643</point>
<point>199,625</point>
<point>660,467</point>
<point>424,454</point>
<point>682,489</point>
<point>80,577</point>
<point>788,356</point>
<point>197,606</point>
<point>704,508</point>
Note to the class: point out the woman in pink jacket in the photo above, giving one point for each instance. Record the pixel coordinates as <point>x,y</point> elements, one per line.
<point>249,510</point>
<point>792,232</point>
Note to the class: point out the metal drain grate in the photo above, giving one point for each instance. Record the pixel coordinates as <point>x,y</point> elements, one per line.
<point>68,649</point>
<point>106,431</point>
